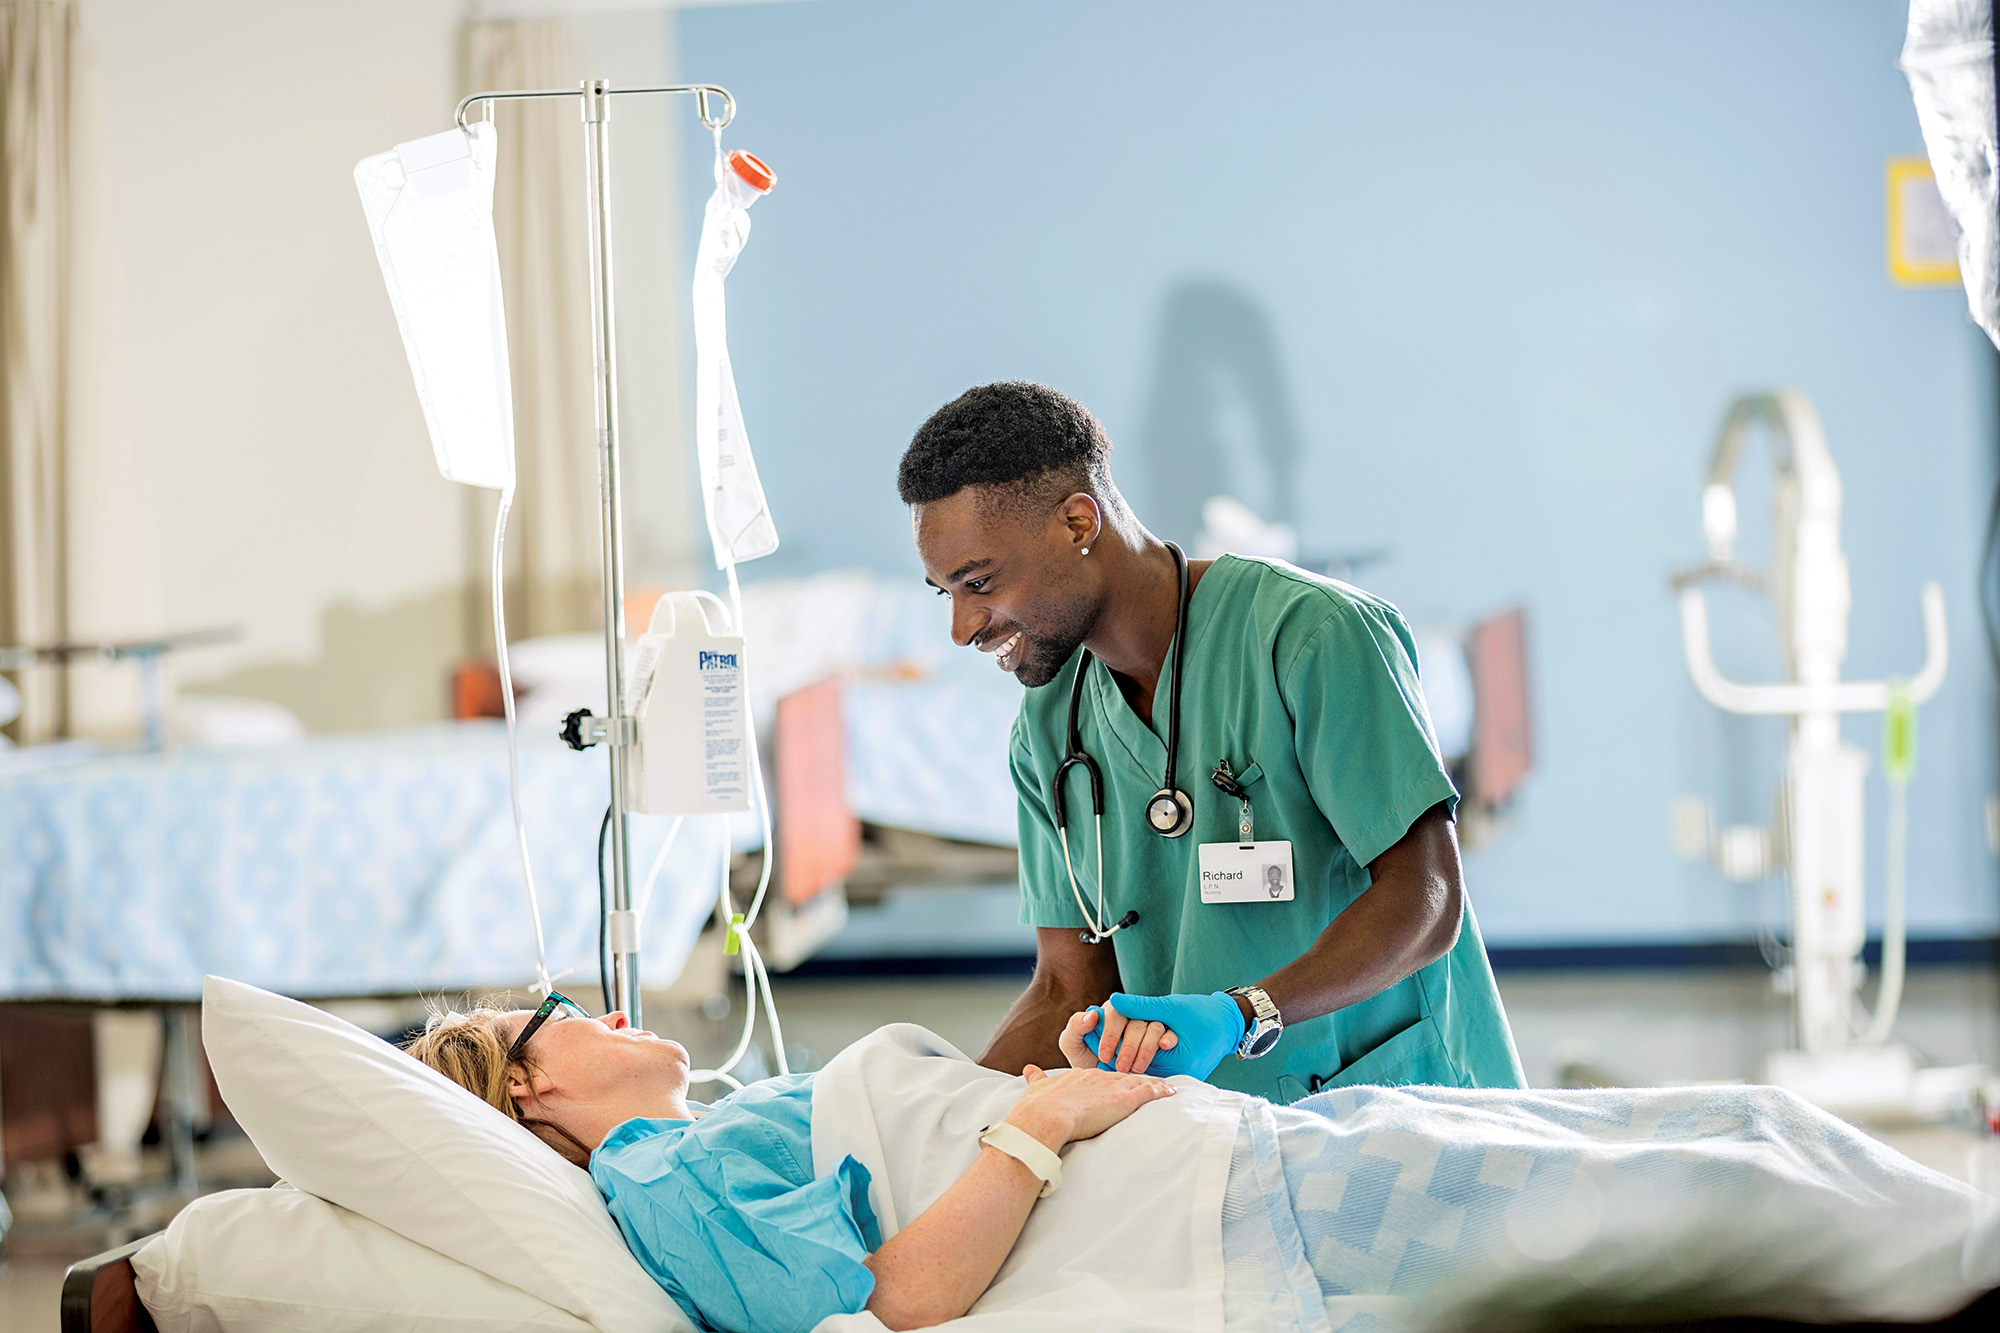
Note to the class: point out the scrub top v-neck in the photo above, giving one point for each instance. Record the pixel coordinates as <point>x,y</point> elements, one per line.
<point>1308,688</point>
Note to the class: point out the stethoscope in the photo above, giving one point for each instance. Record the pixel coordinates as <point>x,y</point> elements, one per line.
<point>1169,812</point>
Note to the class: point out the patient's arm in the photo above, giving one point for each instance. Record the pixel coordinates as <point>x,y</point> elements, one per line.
<point>935,1268</point>
<point>1070,976</point>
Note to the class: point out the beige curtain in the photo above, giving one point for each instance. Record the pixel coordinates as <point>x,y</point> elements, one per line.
<point>72,552</point>
<point>552,540</point>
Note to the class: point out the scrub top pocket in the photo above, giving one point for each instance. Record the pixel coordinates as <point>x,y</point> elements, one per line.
<point>1414,1055</point>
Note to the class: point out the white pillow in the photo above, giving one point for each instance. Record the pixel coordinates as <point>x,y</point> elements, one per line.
<point>277,1260</point>
<point>346,1116</point>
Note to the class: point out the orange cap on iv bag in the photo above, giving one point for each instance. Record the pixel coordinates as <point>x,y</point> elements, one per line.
<point>752,170</point>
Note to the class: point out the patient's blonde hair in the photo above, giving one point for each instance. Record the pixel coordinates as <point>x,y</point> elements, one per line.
<point>470,1049</point>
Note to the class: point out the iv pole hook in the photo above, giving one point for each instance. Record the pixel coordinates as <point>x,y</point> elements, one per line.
<point>703,92</point>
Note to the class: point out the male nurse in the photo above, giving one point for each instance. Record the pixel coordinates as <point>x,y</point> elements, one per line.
<point>1282,912</point>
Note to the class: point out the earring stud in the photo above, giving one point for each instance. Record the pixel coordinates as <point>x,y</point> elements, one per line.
<point>1086,550</point>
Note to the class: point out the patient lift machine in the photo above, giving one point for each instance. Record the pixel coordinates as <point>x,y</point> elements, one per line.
<point>1839,1064</point>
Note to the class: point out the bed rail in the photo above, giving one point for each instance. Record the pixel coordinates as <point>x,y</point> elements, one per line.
<point>100,1294</point>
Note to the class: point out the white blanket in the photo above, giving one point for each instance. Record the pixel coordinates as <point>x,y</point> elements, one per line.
<point>1422,1207</point>
<point>1114,1248</point>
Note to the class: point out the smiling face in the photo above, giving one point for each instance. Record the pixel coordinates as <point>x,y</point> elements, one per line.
<point>1020,588</point>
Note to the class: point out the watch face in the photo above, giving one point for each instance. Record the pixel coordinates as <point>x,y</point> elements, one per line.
<point>1264,1041</point>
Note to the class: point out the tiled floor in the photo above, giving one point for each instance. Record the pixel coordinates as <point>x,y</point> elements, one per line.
<point>1632,1026</point>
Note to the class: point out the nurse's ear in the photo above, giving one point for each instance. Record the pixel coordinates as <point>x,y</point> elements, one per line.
<point>1079,522</point>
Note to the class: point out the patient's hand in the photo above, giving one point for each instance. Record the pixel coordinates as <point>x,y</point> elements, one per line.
<point>1081,1104</point>
<point>1133,1044</point>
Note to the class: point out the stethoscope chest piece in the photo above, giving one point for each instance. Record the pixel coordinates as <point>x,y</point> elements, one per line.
<point>1170,812</point>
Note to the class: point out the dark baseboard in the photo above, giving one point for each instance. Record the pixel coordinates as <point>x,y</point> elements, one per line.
<point>1716,955</point>
<point>1021,965</point>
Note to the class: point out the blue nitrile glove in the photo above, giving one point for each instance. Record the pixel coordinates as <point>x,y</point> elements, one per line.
<point>1206,1028</point>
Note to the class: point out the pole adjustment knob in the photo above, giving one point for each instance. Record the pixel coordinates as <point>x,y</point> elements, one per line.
<point>581,730</point>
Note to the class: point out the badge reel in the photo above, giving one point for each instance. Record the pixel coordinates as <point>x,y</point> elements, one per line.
<point>1244,871</point>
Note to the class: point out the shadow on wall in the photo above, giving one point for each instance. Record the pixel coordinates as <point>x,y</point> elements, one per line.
<point>1219,417</point>
<point>377,669</point>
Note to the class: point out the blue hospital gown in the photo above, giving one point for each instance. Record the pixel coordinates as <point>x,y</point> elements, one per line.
<point>724,1213</point>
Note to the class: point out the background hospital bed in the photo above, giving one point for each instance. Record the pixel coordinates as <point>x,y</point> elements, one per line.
<point>379,864</point>
<point>340,866</point>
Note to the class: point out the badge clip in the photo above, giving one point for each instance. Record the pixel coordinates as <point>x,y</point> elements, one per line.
<point>1225,782</point>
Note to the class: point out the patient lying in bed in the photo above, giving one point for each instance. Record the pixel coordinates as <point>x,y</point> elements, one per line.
<point>871,1185</point>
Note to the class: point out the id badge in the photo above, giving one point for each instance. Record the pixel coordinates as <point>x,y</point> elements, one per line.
<point>1246,872</point>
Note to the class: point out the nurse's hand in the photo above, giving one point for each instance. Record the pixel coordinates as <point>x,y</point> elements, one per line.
<point>1205,1029</point>
<point>1082,1104</point>
<point>1124,1045</point>
<point>1142,1040</point>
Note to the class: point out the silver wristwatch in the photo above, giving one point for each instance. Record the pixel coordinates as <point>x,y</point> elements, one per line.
<point>1266,1023</point>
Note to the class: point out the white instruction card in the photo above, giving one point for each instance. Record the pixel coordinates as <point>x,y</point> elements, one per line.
<point>1246,872</point>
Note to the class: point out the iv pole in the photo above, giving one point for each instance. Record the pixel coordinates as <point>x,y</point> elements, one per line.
<point>617,729</point>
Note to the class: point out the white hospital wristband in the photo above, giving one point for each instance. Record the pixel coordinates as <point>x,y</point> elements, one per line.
<point>1029,1151</point>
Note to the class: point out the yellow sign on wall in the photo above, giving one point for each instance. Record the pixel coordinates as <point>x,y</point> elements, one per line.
<point>1923,244</point>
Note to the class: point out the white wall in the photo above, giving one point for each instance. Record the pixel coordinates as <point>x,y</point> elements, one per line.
<point>278,437</point>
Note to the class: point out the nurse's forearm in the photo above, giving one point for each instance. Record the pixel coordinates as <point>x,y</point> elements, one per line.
<point>1406,919</point>
<point>1028,1035</point>
<point>1070,976</point>
<point>935,1268</point>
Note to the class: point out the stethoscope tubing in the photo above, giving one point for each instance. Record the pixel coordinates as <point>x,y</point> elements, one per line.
<point>1075,756</point>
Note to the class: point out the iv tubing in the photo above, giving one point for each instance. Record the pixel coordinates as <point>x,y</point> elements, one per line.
<point>1895,944</point>
<point>543,982</point>
<point>659,862</point>
<point>755,976</point>
<point>756,767</point>
<point>721,1072</point>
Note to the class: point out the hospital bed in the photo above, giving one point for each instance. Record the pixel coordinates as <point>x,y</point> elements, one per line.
<point>100,1295</point>
<point>376,864</point>
<point>409,1201</point>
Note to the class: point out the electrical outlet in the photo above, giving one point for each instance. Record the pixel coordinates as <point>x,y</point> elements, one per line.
<point>1690,821</point>
<point>1743,853</point>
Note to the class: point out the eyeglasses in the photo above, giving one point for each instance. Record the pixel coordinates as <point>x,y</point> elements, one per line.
<point>571,1010</point>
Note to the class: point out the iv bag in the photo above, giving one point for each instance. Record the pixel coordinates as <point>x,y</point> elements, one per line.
<point>430,209</point>
<point>739,521</point>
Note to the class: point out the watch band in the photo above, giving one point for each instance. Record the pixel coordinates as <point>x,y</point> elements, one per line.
<point>1266,1023</point>
<point>1029,1151</point>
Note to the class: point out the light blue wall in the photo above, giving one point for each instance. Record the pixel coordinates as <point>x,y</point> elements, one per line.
<point>1516,258</point>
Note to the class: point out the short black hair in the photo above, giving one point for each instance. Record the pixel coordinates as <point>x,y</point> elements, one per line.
<point>1030,443</point>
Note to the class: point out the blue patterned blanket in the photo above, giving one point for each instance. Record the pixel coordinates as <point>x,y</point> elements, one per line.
<point>1367,1208</point>
<point>344,865</point>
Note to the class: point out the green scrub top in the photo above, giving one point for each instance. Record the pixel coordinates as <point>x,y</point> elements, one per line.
<point>1308,687</point>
